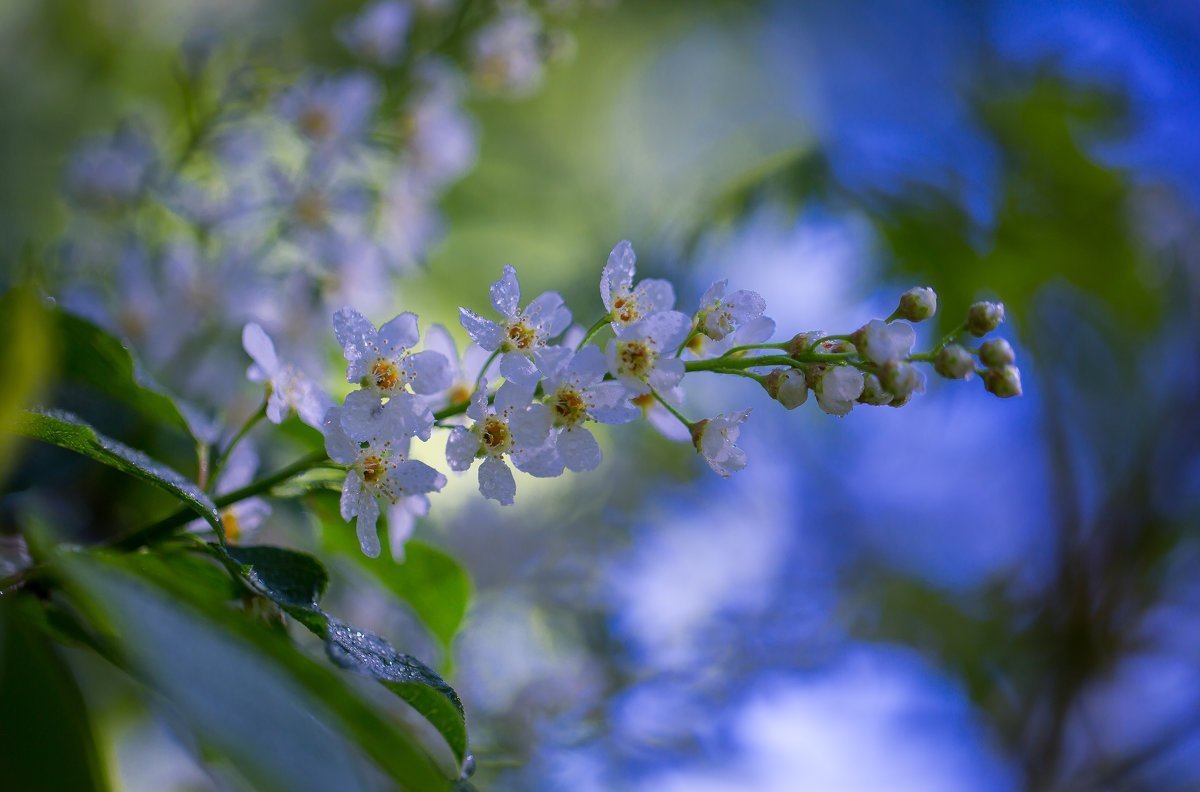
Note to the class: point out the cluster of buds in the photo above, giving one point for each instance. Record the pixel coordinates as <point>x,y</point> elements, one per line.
<point>556,379</point>
<point>955,361</point>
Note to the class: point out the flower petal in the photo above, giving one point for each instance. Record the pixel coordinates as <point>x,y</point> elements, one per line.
<point>399,334</point>
<point>338,444</point>
<point>416,478</point>
<point>579,449</point>
<point>496,481</point>
<point>518,368</point>
<point>461,447</point>
<point>354,333</point>
<point>506,293</point>
<point>617,276</point>
<point>485,332</point>
<point>654,295</point>
<point>368,517</point>
<point>259,347</point>
<point>431,372</point>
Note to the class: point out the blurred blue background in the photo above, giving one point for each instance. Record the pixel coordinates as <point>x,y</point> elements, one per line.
<point>965,594</point>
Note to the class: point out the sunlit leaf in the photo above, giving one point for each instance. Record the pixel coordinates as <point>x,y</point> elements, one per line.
<point>25,356</point>
<point>68,431</point>
<point>286,721</point>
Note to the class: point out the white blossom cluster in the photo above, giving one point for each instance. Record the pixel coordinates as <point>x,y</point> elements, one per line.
<point>555,380</point>
<point>290,193</point>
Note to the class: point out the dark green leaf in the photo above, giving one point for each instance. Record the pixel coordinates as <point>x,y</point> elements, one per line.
<point>286,721</point>
<point>432,582</point>
<point>286,576</point>
<point>404,675</point>
<point>68,431</point>
<point>90,354</point>
<point>45,740</point>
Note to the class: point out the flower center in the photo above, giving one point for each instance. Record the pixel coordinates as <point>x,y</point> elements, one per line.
<point>229,521</point>
<point>316,122</point>
<point>569,406</point>
<point>625,310</point>
<point>636,358</point>
<point>460,392</point>
<point>521,336</point>
<point>495,434</point>
<point>373,469</point>
<point>645,401</point>
<point>310,209</point>
<point>385,374</point>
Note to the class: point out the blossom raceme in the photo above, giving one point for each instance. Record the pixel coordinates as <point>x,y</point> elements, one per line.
<point>522,331</point>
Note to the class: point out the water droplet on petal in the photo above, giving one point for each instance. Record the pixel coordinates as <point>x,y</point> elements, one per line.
<point>468,767</point>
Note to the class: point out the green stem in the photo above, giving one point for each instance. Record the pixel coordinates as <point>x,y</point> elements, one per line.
<point>166,526</point>
<point>600,324</point>
<point>741,373</point>
<point>762,361</point>
<point>747,347</point>
<point>695,332</point>
<point>483,371</point>
<point>671,409</point>
<point>250,423</point>
<point>948,338</point>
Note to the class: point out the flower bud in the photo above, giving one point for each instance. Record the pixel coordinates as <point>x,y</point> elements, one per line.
<point>838,388</point>
<point>900,379</point>
<point>1003,381</point>
<point>996,353</point>
<point>917,304</point>
<point>802,341</point>
<point>873,392</point>
<point>954,362</point>
<point>787,386</point>
<point>881,341</point>
<point>984,317</point>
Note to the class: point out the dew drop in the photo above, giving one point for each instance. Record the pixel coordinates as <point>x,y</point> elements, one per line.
<point>468,767</point>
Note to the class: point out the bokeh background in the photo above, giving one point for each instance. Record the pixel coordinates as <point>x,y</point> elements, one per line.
<point>964,594</point>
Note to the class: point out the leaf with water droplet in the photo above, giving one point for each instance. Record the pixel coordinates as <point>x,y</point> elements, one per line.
<point>285,720</point>
<point>71,432</point>
<point>404,675</point>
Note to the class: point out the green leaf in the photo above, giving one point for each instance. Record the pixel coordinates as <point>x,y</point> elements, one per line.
<point>89,354</point>
<point>404,675</point>
<point>68,431</point>
<point>432,582</point>
<point>296,581</point>
<point>286,721</point>
<point>46,742</point>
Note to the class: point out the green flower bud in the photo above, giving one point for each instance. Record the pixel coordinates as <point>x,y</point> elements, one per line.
<point>954,362</point>
<point>1003,381</point>
<point>996,352</point>
<point>984,317</point>
<point>918,304</point>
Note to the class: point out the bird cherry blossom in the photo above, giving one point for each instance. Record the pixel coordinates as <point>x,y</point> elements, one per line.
<point>522,332</point>
<point>378,468</point>
<point>715,439</point>
<point>720,314</point>
<point>464,371</point>
<point>576,392</point>
<point>287,388</point>
<point>641,354</point>
<point>625,303</point>
<point>509,427</point>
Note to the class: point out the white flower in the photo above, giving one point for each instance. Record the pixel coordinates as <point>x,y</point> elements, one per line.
<point>756,331</point>
<point>883,341</point>
<point>624,303</point>
<point>464,372</point>
<point>381,362</point>
<point>714,438</point>
<point>720,315</point>
<point>288,389</point>
<point>331,110</point>
<point>506,55</point>
<point>511,427</point>
<point>576,392</point>
<point>378,32</point>
<point>378,467</point>
<point>523,332</point>
<point>838,388</point>
<point>641,354</point>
